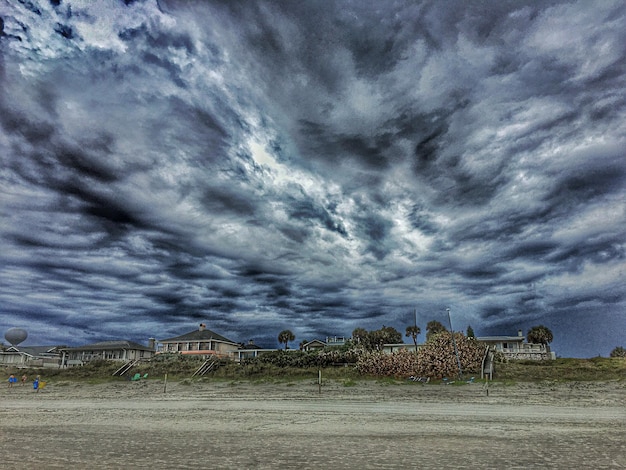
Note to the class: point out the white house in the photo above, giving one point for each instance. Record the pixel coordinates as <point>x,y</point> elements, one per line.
<point>514,347</point>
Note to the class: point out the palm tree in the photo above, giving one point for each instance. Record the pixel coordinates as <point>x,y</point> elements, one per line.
<point>413,331</point>
<point>433,328</point>
<point>285,336</point>
<point>539,335</point>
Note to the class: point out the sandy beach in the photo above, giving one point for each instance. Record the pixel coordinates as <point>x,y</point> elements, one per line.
<point>245,425</point>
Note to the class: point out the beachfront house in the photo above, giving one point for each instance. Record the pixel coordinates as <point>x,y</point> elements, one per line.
<point>314,345</point>
<point>515,347</point>
<point>202,341</point>
<point>118,350</point>
<point>31,356</point>
<point>249,351</point>
<point>317,344</point>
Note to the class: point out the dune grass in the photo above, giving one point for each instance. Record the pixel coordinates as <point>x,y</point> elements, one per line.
<point>564,369</point>
<point>180,368</point>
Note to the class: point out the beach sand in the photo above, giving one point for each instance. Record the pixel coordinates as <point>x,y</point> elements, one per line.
<point>218,425</point>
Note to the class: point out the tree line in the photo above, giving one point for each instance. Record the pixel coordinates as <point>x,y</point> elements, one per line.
<point>375,339</point>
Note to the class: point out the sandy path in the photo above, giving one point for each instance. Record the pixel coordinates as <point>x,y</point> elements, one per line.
<point>215,425</point>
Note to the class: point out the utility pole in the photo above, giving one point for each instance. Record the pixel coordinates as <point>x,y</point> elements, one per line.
<point>456,351</point>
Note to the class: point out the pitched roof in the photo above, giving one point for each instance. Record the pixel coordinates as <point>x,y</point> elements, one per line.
<point>108,345</point>
<point>32,350</point>
<point>198,335</point>
<point>40,350</point>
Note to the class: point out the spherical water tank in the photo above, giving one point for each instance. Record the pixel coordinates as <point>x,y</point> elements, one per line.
<point>15,335</point>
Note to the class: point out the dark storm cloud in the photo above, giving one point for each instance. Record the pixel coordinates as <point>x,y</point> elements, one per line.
<point>318,166</point>
<point>306,210</point>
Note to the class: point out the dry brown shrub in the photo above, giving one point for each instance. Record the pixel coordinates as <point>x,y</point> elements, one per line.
<point>436,359</point>
<point>402,363</point>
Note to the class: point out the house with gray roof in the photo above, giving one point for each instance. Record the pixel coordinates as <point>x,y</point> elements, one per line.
<point>31,356</point>
<point>202,342</point>
<point>116,350</point>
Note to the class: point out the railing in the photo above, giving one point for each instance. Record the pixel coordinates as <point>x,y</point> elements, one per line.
<point>125,368</point>
<point>529,355</point>
<point>206,366</point>
<point>538,348</point>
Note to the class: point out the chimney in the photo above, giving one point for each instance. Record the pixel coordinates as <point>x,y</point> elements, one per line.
<point>202,327</point>
<point>520,334</point>
<point>152,343</point>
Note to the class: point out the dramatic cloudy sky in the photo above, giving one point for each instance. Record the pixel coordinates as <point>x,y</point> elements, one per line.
<point>312,165</point>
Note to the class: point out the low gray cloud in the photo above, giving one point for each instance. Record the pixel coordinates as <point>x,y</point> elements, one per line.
<point>314,166</point>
